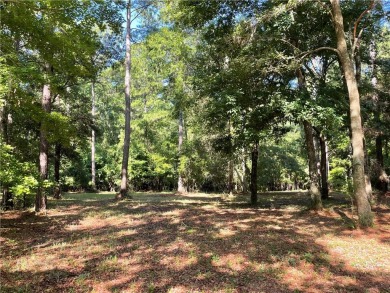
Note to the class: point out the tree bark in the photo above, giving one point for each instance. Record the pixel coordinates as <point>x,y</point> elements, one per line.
<point>255,155</point>
<point>6,200</point>
<point>314,190</point>
<point>126,145</point>
<point>41,197</point>
<point>324,168</point>
<point>57,165</point>
<point>243,170</point>
<point>180,184</point>
<point>93,139</point>
<point>230,176</point>
<point>4,123</point>
<point>383,179</point>
<point>358,75</point>
<point>360,195</point>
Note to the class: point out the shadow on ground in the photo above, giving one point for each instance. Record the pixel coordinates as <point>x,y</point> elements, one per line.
<point>193,243</point>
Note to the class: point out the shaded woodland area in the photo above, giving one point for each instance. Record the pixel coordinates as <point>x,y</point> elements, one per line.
<point>239,143</point>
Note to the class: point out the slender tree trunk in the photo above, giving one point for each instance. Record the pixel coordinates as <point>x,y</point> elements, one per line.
<point>255,155</point>
<point>41,197</point>
<point>230,176</point>
<point>180,184</point>
<point>363,205</point>
<point>6,200</point>
<point>57,165</point>
<point>358,75</point>
<point>126,145</point>
<point>317,152</point>
<point>383,178</point>
<point>314,190</point>
<point>324,168</point>
<point>93,140</point>
<point>243,170</point>
<point>4,123</point>
<point>378,150</point>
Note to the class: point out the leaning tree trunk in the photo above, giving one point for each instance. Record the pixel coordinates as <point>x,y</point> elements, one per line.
<point>255,155</point>
<point>180,184</point>
<point>126,145</point>
<point>93,139</point>
<point>362,202</point>
<point>41,197</point>
<point>324,168</point>
<point>315,193</point>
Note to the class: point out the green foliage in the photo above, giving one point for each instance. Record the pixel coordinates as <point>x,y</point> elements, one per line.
<point>20,178</point>
<point>231,73</point>
<point>338,178</point>
<point>282,163</point>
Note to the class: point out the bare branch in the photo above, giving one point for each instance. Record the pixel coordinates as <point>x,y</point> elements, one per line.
<point>140,9</point>
<point>372,4</point>
<point>319,49</point>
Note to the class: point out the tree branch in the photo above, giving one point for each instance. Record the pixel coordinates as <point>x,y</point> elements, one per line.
<point>311,71</point>
<point>320,49</point>
<point>140,10</point>
<point>372,4</point>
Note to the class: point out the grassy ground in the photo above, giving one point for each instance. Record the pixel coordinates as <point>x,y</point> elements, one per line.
<point>193,243</point>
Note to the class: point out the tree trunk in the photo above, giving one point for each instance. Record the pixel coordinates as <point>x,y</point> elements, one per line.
<point>358,75</point>
<point>383,178</point>
<point>126,145</point>
<point>4,123</point>
<point>6,200</point>
<point>313,174</point>
<point>230,176</point>
<point>57,164</point>
<point>243,167</point>
<point>255,155</point>
<point>41,197</point>
<point>93,139</point>
<point>314,189</point>
<point>324,168</point>
<point>363,205</point>
<point>180,184</point>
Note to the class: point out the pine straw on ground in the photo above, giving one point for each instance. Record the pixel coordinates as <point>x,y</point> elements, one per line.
<point>193,243</point>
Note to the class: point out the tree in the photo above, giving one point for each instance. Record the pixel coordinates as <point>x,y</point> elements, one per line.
<point>363,205</point>
<point>59,61</point>
<point>126,145</point>
<point>180,183</point>
<point>41,198</point>
<point>93,139</point>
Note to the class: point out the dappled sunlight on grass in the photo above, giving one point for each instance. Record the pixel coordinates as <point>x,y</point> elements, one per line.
<point>362,253</point>
<point>190,243</point>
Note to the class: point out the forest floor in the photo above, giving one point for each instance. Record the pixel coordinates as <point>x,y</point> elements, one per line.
<point>160,242</point>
